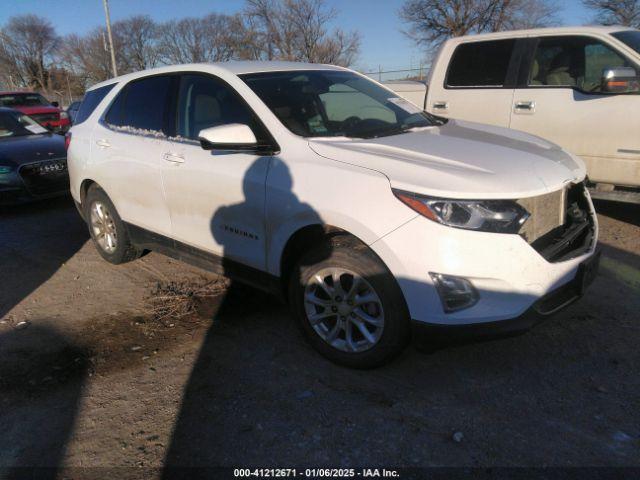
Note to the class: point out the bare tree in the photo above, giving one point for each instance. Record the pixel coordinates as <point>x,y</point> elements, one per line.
<point>616,12</point>
<point>192,40</point>
<point>433,21</point>
<point>138,36</point>
<point>525,14</point>
<point>88,56</point>
<point>27,45</point>
<point>297,30</point>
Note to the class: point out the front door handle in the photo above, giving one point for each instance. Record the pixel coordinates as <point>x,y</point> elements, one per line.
<point>103,143</point>
<point>173,158</point>
<point>525,106</point>
<point>441,105</point>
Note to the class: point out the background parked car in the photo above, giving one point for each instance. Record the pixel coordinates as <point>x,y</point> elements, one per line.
<point>33,161</point>
<point>48,114</point>
<point>72,110</point>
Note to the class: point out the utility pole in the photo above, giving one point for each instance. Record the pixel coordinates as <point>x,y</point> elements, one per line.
<point>113,53</point>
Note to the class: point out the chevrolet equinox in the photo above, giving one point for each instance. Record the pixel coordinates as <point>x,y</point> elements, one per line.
<point>373,218</point>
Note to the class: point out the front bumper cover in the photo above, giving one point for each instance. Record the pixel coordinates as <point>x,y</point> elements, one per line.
<point>540,311</point>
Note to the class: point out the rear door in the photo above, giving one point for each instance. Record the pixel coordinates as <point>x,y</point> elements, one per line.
<point>478,82</point>
<point>127,148</point>
<point>559,98</point>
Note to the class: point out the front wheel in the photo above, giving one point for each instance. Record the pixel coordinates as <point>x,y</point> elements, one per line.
<point>348,304</point>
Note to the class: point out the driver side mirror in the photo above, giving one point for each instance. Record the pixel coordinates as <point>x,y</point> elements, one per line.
<point>55,104</point>
<point>620,80</point>
<point>231,137</point>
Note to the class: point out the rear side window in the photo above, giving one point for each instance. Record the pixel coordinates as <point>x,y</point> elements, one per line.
<point>90,102</point>
<point>141,104</point>
<point>480,64</point>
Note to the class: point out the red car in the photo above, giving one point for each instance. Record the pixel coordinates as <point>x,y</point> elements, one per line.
<point>37,107</point>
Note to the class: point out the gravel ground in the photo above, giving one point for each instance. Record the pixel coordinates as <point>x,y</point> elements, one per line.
<point>89,377</point>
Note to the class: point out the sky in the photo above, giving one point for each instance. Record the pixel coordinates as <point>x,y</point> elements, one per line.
<point>383,43</point>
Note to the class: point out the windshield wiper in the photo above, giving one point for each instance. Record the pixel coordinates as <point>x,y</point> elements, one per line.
<point>385,132</point>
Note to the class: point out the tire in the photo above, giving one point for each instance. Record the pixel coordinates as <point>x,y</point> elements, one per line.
<point>326,319</point>
<point>107,225</point>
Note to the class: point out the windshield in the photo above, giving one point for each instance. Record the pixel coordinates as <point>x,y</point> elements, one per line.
<point>629,37</point>
<point>327,103</point>
<point>16,125</point>
<point>23,100</point>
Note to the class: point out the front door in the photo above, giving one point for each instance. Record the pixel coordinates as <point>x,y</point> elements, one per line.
<point>562,101</point>
<point>478,83</point>
<point>216,199</point>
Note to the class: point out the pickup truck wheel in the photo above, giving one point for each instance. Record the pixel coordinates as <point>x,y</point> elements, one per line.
<point>348,305</point>
<point>107,231</point>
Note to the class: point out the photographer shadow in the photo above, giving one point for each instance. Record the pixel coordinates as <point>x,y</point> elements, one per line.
<point>199,429</point>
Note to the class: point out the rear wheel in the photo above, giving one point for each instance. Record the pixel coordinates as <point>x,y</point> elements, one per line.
<point>348,304</point>
<point>107,229</point>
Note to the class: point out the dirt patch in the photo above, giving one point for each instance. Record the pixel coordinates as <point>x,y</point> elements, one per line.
<point>98,377</point>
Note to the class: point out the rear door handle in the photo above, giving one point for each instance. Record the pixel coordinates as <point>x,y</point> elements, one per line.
<point>173,158</point>
<point>103,143</point>
<point>525,107</point>
<point>441,105</point>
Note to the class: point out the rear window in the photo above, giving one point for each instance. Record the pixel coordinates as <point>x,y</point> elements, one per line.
<point>141,105</point>
<point>90,102</point>
<point>23,100</point>
<point>480,64</point>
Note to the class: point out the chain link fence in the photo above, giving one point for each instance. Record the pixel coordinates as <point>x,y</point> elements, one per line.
<point>419,74</point>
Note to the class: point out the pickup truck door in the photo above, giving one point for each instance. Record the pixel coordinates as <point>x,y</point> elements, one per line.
<point>559,98</point>
<point>477,83</point>
<point>216,199</point>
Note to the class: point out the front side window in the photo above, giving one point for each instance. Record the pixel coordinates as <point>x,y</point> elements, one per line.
<point>23,100</point>
<point>140,106</point>
<point>480,64</point>
<point>629,37</point>
<point>576,62</point>
<point>319,103</point>
<point>204,101</point>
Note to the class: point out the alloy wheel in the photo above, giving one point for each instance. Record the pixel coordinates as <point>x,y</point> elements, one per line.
<point>103,227</point>
<point>344,309</point>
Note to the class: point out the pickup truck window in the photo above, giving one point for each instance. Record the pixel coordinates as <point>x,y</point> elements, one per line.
<point>23,100</point>
<point>571,61</point>
<point>480,64</point>
<point>321,103</point>
<point>629,37</point>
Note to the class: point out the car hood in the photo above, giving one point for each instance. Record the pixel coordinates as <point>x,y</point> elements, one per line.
<point>461,160</point>
<point>17,151</point>
<point>37,109</point>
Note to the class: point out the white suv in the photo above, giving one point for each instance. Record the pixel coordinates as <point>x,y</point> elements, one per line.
<point>319,184</point>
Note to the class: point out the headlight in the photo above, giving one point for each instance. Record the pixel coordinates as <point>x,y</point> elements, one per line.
<point>64,115</point>
<point>498,216</point>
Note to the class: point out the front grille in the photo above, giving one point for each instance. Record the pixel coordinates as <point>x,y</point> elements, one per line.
<point>547,212</point>
<point>45,117</point>
<point>566,228</point>
<point>46,177</point>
